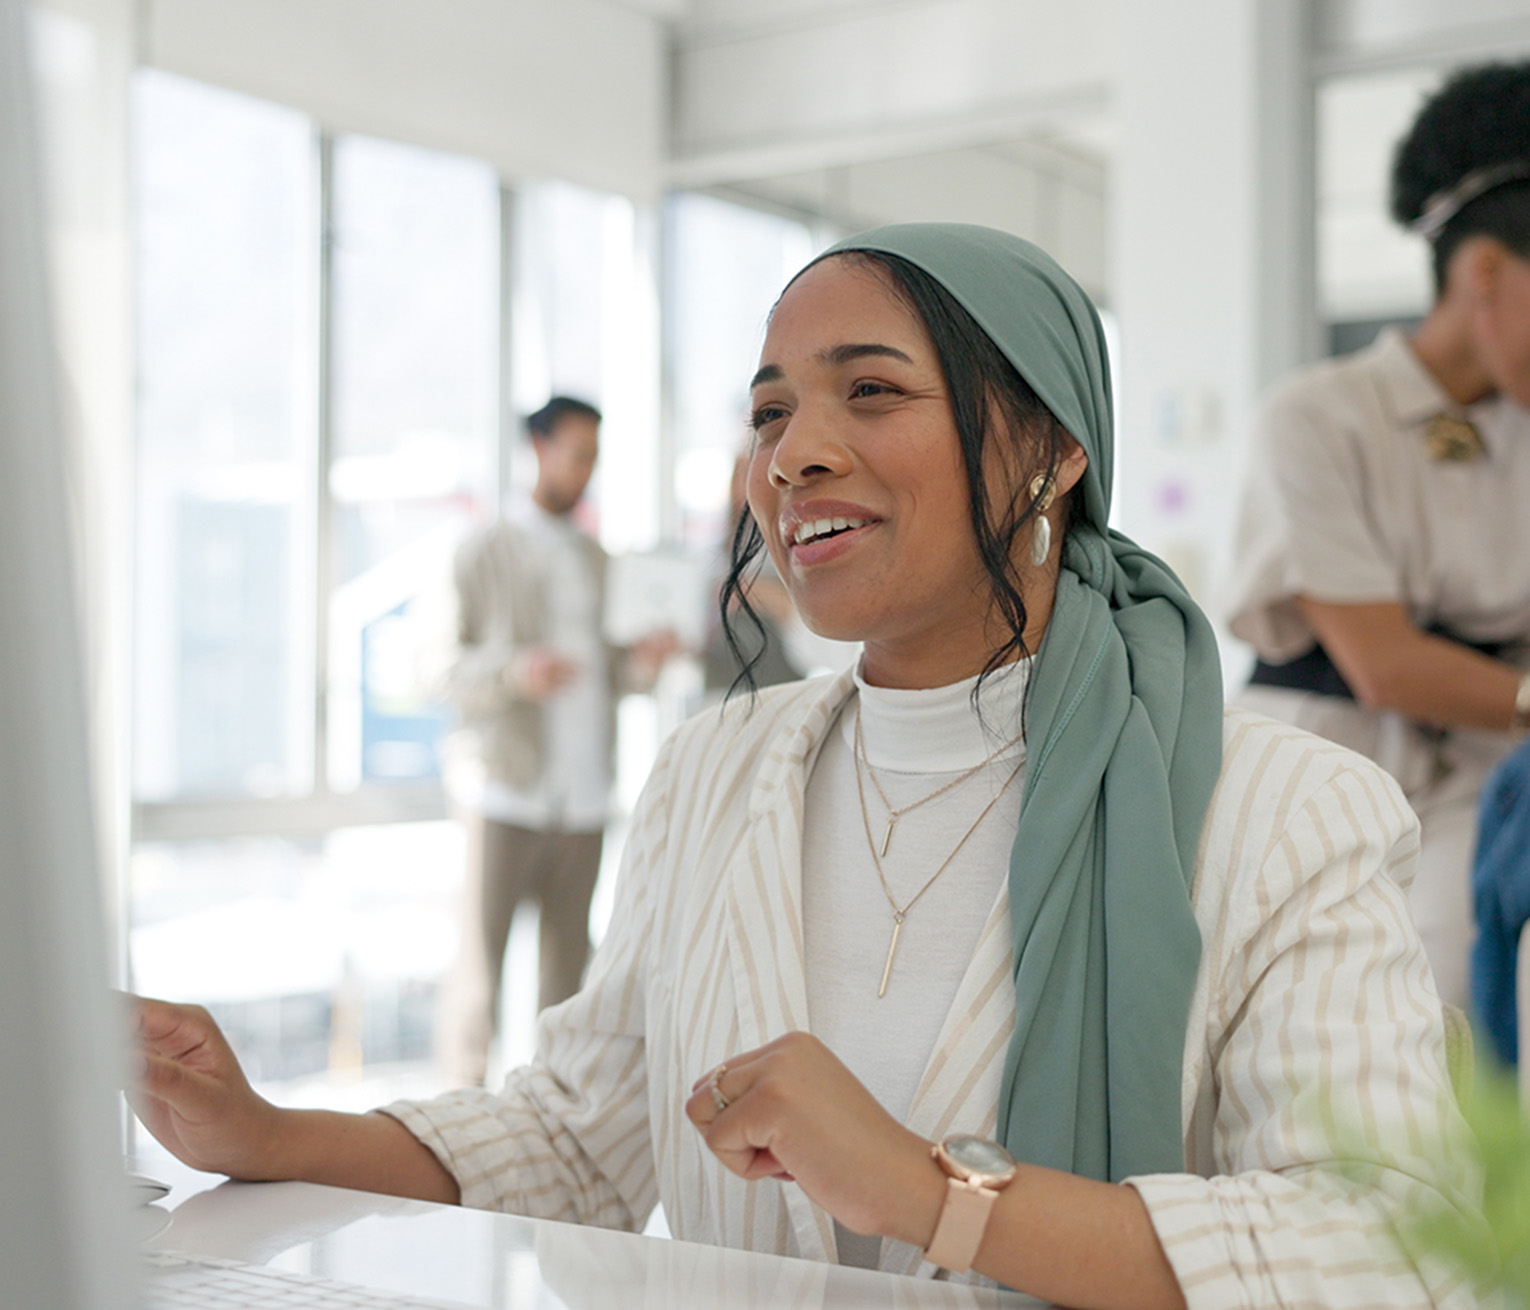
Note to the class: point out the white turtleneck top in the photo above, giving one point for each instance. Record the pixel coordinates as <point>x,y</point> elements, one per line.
<point>915,742</point>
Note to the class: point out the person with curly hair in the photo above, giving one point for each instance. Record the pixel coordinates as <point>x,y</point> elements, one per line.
<point>1383,552</point>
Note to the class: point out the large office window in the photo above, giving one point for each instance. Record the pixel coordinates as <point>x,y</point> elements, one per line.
<point>584,323</point>
<point>319,354</point>
<point>414,282</point>
<point>318,422</point>
<point>327,403</point>
<point>227,254</point>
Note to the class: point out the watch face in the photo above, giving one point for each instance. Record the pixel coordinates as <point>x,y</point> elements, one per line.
<point>979,1156</point>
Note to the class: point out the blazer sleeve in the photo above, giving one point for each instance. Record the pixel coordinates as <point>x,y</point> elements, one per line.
<point>569,1136</point>
<point>1331,1115</point>
<point>473,653</point>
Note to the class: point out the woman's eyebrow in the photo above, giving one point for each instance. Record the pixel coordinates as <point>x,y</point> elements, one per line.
<point>846,354</point>
<point>834,355</point>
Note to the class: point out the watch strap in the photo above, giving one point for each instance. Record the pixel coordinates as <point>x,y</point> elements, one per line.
<point>963,1221</point>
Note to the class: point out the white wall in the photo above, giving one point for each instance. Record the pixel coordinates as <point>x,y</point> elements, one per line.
<point>1212,267</point>
<point>761,90</point>
<point>1393,32</point>
<point>1050,192</point>
<point>560,88</point>
<point>979,111</point>
<point>574,89</point>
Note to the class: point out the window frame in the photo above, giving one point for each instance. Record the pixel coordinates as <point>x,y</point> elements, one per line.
<point>322,809</point>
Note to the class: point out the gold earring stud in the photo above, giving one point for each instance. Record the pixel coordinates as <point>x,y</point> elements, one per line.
<point>1041,530</point>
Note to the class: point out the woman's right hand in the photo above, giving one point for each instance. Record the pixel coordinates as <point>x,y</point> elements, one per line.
<point>192,1095</point>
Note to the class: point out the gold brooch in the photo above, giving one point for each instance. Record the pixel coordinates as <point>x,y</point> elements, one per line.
<point>1453,439</point>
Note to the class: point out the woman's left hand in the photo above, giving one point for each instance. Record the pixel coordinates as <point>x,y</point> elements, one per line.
<point>794,1111</point>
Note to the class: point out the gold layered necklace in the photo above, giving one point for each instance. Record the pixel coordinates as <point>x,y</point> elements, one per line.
<point>900,913</point>
<point>896,813</point>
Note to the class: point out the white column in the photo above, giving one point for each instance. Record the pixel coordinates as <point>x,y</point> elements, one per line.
<point>1213,267</point>
<point>83,56</point>
<point>64,1241</point>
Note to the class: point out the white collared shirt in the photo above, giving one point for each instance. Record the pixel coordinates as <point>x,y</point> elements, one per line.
<point>1344,503</point>
<point>572,795</point>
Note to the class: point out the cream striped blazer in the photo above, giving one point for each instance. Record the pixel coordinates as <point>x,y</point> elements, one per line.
<point>1314,1032</point>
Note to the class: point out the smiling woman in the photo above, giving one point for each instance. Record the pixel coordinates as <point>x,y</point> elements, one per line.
<point>1003,956</point>
<point>875,420</point>
<point>871,561</point>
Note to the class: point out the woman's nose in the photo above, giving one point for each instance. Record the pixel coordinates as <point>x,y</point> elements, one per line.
<point>809,449</point>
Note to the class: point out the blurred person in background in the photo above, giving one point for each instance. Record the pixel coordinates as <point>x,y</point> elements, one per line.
<point>535,687</point>
<point>1383,553</point>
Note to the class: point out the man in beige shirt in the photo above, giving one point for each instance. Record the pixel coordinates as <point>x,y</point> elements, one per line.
<point>532,679</point>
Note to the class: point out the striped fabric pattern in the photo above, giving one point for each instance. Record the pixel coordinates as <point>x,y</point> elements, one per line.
<point>1316,1103</point>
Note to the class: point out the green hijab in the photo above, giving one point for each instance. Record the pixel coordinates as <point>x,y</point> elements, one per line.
<point>1124,726</point>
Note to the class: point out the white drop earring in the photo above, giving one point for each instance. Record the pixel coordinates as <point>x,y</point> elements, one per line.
<point>1041,541</point>
<point>1041,530</point>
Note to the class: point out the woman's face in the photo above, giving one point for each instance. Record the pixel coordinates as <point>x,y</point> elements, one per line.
<point>1502,324</point>
<point>857,480</point>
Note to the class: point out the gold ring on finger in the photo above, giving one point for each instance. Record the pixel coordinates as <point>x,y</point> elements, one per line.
<point>719,1098</point>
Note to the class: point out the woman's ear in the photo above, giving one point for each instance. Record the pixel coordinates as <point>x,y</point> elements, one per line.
<point>1474,269</point>
<point>1070,468</point>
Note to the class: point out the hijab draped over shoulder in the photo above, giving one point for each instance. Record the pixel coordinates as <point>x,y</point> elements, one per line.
<point>1124,729</point>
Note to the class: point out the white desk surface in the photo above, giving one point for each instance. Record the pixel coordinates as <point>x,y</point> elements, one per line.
<point>505,1262</point>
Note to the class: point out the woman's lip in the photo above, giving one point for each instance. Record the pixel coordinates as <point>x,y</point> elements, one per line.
<point>823,549</point>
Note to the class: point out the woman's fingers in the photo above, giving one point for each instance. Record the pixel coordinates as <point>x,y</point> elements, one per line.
<point>180,1032</point>
<point>190,1092</point>
<point>716,1094</point>
<point>723,1085</point>
<point>743,1105</point>
<point>792,1109</point>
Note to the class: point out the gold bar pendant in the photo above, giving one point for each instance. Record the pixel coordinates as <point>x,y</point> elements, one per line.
<point>892,946</point>
<point>887,836</point>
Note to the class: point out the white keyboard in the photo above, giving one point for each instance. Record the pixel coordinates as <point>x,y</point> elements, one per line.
<point>186,1282</point>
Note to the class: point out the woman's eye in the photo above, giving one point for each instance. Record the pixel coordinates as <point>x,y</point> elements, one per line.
<point>765,415</point>
<point>864,390</point>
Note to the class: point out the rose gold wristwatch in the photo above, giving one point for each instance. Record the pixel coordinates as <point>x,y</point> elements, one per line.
<point>978,1171</point>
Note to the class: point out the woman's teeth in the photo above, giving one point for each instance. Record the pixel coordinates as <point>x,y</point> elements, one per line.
<point>807,532</point>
